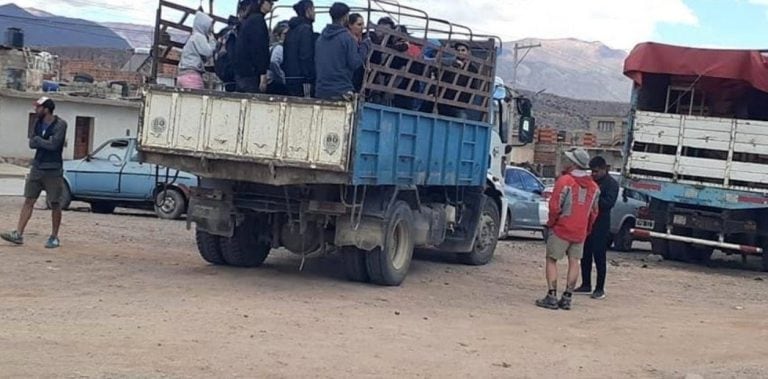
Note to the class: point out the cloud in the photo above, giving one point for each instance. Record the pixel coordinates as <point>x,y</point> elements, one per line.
<point>618,23</point>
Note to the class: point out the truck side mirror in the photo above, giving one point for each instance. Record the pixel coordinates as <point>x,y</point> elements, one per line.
<point>526,129</point>
<point>503,121</point>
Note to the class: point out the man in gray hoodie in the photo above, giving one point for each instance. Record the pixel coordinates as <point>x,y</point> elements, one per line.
<point>337,57</point>
<point>198,49</point>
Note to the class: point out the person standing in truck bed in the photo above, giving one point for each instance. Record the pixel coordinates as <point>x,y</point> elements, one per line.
<point>198,49</point>
<point>252,48</point>
<point>299,47</point>
<point>46,174</point>
<point>337,57</point>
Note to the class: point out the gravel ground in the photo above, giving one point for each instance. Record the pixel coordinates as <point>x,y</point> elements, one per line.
<point>127,296</point>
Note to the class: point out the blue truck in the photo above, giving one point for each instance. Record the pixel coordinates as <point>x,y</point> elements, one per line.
<point>697,148</point>
<point>419,168</point>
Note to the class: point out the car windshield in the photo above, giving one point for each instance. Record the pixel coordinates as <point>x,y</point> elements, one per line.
<point>118,148</point>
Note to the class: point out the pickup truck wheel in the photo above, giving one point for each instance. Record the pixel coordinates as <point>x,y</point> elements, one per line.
<point>622,241</point>
<point>244,248</point>
<point>102,208</point>
<point>170,204</point>
<point>388,265</point>
<point>354,263</point>
<point>209,247</point>
<point>487,236</point>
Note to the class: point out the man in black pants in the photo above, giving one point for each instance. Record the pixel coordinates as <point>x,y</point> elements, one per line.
<point>597,243</point>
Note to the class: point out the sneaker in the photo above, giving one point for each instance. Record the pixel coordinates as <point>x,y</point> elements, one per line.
<point>565,303</point>
<point>598,295</point>
<point>52,243</point>
<point>13,237</point>
<point>549,302</point>
<point>583,290</point>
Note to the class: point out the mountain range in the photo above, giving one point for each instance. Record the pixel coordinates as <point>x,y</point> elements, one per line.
<point>563,67</point>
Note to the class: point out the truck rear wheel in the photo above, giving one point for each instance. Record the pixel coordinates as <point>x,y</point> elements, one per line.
<point>487,236</point>
<point>355,267</point>
<point>388,265</point>
<point>245,248</point>
<point>208,247</point>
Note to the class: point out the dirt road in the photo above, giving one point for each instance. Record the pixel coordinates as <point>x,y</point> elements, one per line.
<point>126,296</point>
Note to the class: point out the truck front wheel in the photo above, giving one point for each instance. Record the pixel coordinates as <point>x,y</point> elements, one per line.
<point>388,265</point>
<point>487,236</point>
<point>245,248</point>
<point>209,247</point>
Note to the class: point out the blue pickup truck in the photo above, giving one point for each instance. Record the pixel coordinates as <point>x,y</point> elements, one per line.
<point>113,176</point>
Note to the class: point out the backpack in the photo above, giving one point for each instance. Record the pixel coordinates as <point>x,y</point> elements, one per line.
<point>224,55</point>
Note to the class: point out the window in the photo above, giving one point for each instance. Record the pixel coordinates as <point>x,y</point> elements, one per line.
<point>513,179</point>
<point>117,147</point>
<point>605,126</point>
<point>530,183</point>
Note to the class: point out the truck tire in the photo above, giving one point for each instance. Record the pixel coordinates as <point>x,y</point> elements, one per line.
<point>622,241</point>
<point>355,267</point>
<point>244,248</point>
<point>487,236</point>
<point>388,265</point>
<point>102,208</point>
<point>208,247</point>
<point>170,204</point>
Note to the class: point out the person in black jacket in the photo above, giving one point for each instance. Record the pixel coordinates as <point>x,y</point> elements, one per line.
<point>46,173</point>
<point>252,49</point>
<point>299,49</point>
<point>596,245</point>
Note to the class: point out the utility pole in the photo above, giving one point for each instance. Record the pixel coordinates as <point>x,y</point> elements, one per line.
<point>518,59</point>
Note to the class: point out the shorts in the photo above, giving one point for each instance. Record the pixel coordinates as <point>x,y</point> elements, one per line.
<point>558,248</point>
<point>52,185</point>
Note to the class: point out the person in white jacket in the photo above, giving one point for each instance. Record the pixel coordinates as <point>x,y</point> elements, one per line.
<point>198,49</point>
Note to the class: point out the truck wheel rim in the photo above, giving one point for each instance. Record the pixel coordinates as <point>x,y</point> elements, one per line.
<point>485,234</point>
<point>399,248</point>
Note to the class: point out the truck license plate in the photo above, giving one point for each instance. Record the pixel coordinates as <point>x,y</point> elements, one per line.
<point>645,224</point>
<point>679,220</point>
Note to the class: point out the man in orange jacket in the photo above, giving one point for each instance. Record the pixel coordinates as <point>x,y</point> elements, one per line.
<point>572,212</point>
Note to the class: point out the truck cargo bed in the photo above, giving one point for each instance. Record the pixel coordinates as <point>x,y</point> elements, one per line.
<point>288,140</point>
<point>717,152</point>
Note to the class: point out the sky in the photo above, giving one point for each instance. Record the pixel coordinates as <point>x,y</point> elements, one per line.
<point>618,23</point>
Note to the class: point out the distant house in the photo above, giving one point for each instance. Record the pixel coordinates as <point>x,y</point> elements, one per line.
<point>91,122</point>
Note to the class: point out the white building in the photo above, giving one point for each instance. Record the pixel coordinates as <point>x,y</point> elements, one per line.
<point>90,122</point>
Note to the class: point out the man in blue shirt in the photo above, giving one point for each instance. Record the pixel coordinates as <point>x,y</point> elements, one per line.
<point>46,173</point>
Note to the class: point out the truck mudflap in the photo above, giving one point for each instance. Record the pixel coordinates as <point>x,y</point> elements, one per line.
<point>212,210</point>
<point>744,249</point>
